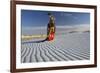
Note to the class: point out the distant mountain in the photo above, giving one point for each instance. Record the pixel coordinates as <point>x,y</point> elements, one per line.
<point>59,29</point>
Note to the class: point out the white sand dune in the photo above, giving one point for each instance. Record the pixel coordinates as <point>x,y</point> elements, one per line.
<point>66,47</point>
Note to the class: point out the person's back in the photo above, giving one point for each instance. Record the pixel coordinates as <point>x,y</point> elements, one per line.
<point>51,26</point>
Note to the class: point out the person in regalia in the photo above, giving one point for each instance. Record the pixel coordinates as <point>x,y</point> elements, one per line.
<point>51,28</point>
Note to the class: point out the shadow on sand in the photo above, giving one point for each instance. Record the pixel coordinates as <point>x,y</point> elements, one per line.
<point>40,41</point>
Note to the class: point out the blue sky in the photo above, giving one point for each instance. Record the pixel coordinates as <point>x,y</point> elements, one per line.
<point>32,18</point>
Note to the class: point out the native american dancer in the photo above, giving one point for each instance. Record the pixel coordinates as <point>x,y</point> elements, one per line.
<point>51,28</point>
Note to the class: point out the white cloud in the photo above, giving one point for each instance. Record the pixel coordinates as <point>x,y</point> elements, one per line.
<point>33,28</point>
<point>66,14</point>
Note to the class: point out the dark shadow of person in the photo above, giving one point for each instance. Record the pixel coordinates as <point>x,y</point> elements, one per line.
<point>39,41</point>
